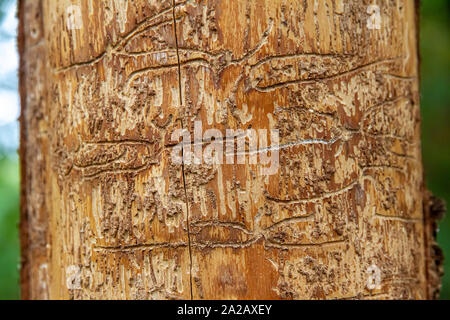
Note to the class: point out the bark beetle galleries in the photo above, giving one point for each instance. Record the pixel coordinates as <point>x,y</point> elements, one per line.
<point>106,213</point>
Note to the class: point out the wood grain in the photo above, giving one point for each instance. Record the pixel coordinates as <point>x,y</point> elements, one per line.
<point>108,214</point>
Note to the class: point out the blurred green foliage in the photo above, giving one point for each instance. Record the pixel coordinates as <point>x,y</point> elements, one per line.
<point>435,106</point>
<point>9,203</point>
<point>9,235</point>
<point>435,93</point>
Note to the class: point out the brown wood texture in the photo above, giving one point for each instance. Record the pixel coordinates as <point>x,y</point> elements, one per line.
<point>108,214</point>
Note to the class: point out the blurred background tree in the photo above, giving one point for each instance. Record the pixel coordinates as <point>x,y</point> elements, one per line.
<point>435,78</point>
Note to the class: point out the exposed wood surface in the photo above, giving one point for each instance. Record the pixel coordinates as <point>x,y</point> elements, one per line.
<point>105,206</point>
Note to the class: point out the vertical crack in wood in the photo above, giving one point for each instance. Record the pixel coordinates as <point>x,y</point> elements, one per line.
<point>182,150</point>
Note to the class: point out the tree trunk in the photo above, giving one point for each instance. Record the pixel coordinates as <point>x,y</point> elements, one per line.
<point>108,212</point>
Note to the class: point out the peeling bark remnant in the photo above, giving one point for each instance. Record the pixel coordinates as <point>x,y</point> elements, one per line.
<point>107,213</point>
<point>434,211</point>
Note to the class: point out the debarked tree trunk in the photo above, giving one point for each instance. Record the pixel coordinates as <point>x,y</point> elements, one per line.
<point>327,200</point>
